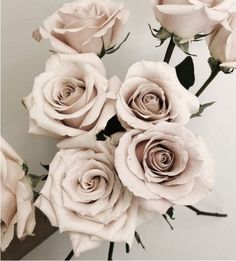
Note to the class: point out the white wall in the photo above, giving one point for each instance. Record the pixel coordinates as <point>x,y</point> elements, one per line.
<point>194,237</point>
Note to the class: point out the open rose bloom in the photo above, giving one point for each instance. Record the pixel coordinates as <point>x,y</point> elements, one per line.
<point>16,197</point>
<point>72,97</point>
<point>84,26</point>
<point>165,165</point>
<point>84,197</point>
<point>187,18</point>
<point>152,93</point>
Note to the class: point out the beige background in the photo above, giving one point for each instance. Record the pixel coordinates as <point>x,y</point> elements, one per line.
<point>194,237</point>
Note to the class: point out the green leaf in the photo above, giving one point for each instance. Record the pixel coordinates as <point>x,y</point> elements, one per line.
<point>114,49</point>
<point>46,167</point>
<point>185,72</point>
<point>36,195</point>
<point>25,167</point>
<point>138,239</point>
<point>162,34</point>
<point>167,221</point>
<point>103,51</point>
<point>34,180</point>
<point>170,213</point>
<point>101,136</point>
<point>202,109</point>
<point>199,37</point>
<point>183,44</point>
<point>52,51</point>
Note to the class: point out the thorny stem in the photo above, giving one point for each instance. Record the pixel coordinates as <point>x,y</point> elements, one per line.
<point>205,213</point>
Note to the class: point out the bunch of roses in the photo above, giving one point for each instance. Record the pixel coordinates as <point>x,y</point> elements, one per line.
<point>100,190</point>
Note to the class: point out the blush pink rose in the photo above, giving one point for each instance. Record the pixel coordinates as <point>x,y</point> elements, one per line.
<point>165,165</point>
<point>16,197</point>
<point>152,93</point>
<point>72,97</point>
<point>186,18</point>
<point>222,42</point>
<point>84,197</point>
<point>84,26</point>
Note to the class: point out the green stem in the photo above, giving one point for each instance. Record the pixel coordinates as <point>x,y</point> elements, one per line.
<point>70,255</point>
<point>205,213</point>
<point>208,81</point>
<point>110,252</point>
<point>169,51</point>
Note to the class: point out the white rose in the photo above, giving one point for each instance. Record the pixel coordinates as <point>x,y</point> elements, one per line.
<point>222,42</point>
<point>16,197</point>
<point>84,26</point>
<point>186,18</point>
<point>165,165</point>
<point>152,93</point>
<point>72,97</point>
<point>84,197</point>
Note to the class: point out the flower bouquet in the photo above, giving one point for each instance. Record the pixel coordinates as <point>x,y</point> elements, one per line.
<point>124,152</point>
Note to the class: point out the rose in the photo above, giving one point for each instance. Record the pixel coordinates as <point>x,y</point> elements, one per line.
<point>151,94</point>
<point>71,97</point>
<point>222,42</point>
<point>84,196</point>
<point>84,26</point>
<point>164,165</point>
<point>187,18</point>
<point>16,197</point>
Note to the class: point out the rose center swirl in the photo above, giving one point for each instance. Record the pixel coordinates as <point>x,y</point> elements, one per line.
<point>68,91</point>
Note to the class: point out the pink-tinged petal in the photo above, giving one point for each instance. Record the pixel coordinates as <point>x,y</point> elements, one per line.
<point>82,242</point>
<point>158,205</point>
<point>8,205</point>
<point>160,80</point>
<point>7,234</point>
<point>9,152</point>
<point>45,206</point>
<point>83,140</point>
<point>54,62</point>
<point>107,113</point>
<point>84,26</point>
<point>222,42</point>
<point>173,17</point>
<point>114,85</point>
<point>25,211</point>
<point>128,178</point>
<point>205,181</point>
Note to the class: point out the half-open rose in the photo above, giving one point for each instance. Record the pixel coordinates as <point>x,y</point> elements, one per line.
<point>71,97</point>
<point>165,165</point>
<point>187,18</point>
<point>84,26</point>
<point>152,93</point>
<point>222,42</point>
<point>16,197</point>
<point>84,196</point>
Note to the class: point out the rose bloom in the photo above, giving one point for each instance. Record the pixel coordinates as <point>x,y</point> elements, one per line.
<point>71,97</point>
<point>84,26</point>
<point>16,197</point>
<point>222,42</point>
<point>152,93</point>
<point>165,165</point>
<point>84,197</point>
<point>186,18</point>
